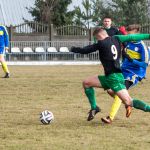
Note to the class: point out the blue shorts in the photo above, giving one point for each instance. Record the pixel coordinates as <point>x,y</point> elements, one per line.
<point>131,77</point>
<point>2,50</point>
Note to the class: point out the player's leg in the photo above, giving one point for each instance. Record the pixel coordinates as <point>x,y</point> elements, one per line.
<point>116,104</point>
<point>111,92</point>
<point>126,99</point>
<point>114,108</point>
<point>4,64</point>
<point>113,111</point>
<point>116,83</point>
<point>138,104</point>
<point>88,85</point>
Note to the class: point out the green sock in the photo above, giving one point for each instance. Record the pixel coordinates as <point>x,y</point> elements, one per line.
<point>138,104</point>
<point>91,96</point>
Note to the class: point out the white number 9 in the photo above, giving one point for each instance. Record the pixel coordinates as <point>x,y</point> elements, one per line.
<point>114,51</point>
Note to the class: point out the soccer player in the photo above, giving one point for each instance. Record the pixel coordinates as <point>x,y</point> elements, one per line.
<point>4,44</point>
<point>133,68</point>
<point>109,53</point>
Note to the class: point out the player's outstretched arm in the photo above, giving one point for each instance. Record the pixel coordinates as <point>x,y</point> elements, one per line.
<point>132,37</point>
<point>85,50</point>
<point>139,63</point>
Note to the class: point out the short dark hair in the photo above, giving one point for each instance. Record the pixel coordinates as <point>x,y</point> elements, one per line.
<point>97,30</point>
<point>107,17</point>
<point>133,26</point>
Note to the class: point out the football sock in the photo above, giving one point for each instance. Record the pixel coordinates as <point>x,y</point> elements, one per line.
<point>115,107</point>
<point>90,93</point>
<point>4,66</point>
<point>138,104</point>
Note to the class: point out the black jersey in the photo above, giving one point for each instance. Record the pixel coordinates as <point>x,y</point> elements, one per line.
<point>112,31</point>
<point>109,53</point>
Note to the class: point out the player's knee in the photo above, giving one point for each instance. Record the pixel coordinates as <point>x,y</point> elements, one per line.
<point>86,83</point>
<point>128,101</point>
<point>125,97</point>
<point>2,59</point>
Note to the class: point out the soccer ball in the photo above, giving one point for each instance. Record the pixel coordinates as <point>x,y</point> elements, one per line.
<point>46,117</point>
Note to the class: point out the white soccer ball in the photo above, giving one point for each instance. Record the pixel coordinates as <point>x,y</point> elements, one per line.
<point>46,117</point>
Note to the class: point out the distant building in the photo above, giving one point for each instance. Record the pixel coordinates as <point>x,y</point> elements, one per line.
<point>14,12</point>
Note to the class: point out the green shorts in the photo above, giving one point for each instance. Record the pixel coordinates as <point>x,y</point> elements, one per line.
<point>114,81</point>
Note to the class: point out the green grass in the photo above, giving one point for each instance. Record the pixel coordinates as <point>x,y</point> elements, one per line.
<point>32,89</point>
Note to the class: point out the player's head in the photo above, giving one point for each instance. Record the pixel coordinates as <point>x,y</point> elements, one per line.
<point>100,33</point>
<point>133,28</point>
<point>107,21</point>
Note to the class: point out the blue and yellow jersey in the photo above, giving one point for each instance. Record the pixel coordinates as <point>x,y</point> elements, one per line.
<point>4,38</point>
<point>139,53</point>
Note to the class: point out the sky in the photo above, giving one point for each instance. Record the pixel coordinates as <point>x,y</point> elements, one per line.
<point>78,3</point>
<point>74,3</point>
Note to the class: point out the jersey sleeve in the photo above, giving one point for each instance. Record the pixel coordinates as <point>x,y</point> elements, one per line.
<point>144,53</point>
<point>6,37</point>
<point>132,37</point>
<point>87,49</point>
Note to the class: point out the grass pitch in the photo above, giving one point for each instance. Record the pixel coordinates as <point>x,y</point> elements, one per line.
<point>31,90</point>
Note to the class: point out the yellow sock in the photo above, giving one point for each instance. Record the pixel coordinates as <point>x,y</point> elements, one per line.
<point>4,66</point>
<point>115,107</point>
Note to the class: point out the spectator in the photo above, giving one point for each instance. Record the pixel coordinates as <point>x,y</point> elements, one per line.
<point>107,24</point>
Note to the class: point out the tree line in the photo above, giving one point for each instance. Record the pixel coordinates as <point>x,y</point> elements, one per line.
<point>91,12</point>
